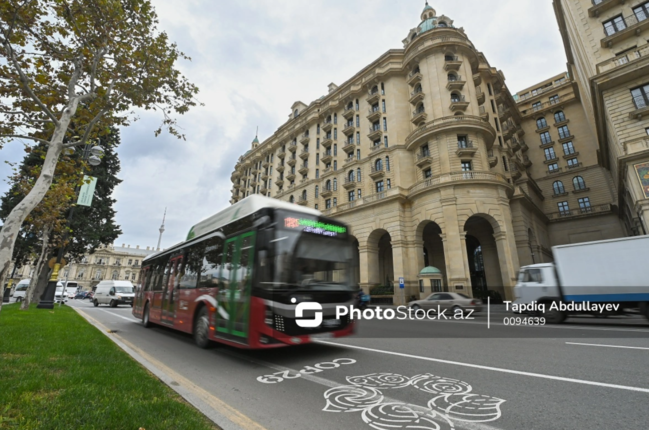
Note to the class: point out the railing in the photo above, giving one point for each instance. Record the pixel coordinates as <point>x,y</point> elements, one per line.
<point>456,177</point>
<point>630,21</point>
<point>482,110</point>
<point>413,73</point>
<point>460,99</point>
<point>348,109</point>
<point>375,128</point>
<point>376,148</point>
<point>462,144</point>
<point>377,169</point>
<point>415,92</point>
<point>455,78</point>
<point>372,111</point>
<point>443,121</point>
<point>418,112</point>
<point>349,160</point>
<point>451,58</point>
<point>543,90</point>
<point>623,59</point>
<point>580,211</point>
<point>304,151</point>
<point>349,124</point>
<point>422,156</point>
<point>350,181</point>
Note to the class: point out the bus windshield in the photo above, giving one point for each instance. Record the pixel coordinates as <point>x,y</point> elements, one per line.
<point>305,260</point>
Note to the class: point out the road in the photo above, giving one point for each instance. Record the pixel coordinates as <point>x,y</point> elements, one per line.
<point>589,374</point>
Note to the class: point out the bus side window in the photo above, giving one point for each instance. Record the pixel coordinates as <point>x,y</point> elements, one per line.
<point>227,265</point>
<point>211,263</point>
<point>192,266</point>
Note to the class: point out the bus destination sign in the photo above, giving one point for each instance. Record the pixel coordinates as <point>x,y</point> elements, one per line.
<point>313,226</point>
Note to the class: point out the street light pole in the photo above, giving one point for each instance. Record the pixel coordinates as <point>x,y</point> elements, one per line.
<point>47,299</point>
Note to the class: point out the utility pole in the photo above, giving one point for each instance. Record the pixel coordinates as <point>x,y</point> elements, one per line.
<point>162,229</point>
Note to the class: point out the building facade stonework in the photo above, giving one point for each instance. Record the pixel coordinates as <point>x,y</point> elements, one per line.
<point>432,161</point>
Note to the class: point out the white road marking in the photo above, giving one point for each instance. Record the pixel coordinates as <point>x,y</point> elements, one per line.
<point>607,346</point>
<point>495,369</point>
<point>331,384</point>
<point>122,317</point>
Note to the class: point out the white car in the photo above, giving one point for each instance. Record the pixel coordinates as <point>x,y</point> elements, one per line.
<point>58,295</point>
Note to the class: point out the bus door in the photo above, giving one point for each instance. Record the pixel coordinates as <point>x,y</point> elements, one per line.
<point>234,295</point>
<point>171,291</point>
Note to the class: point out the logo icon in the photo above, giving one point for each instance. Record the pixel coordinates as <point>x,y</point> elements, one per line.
<point>307,306</point>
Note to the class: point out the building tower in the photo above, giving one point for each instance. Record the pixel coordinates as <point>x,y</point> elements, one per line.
<point>161,229</point>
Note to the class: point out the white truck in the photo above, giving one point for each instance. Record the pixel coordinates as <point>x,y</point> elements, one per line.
<point>606,277</point>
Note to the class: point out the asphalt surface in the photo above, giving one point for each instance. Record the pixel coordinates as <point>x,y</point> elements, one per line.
<point>587,374</point>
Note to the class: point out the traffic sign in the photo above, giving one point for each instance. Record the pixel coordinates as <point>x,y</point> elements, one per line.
<point>402,282</point>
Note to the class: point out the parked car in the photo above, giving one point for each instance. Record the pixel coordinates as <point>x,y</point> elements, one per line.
<point>451,301</point>
<point>81,295</point>
<point>114,293</point>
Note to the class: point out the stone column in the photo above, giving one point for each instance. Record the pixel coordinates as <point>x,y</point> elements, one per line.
<point>457,265</point>
<point>368,259</point>
<point>505,257</point>
<point>406,257</point>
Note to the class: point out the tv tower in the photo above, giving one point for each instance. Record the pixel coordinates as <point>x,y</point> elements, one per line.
<point>162,229</point>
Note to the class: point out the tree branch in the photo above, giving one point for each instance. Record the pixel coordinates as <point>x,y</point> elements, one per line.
<point>25,81</point>
<point>18,136</point>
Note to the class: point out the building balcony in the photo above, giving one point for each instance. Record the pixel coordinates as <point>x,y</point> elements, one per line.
<point>349,129</point>
<point>603,6</point>
<point>419,117</point>
<point>516,174</point>
<point>264,176</point>
<point>548,144</point>
<point>349,184</point>
<point>374,115</point>
<point>524,146</point>
<point>526,161</point>
<point>326,157</point>
<point>281,153</point>
<point>263,190</point>
<point>236,185</point>
<point>302,202</point>
<point>623,59</point>
<point>450,178</point>
<point>292,147</point>
<point>459,104</point>
<point>349,147</point>
<point>304,140</point>
<point>236,174</point>
<point>304,154</point>
<point>373,97</point>
<point>377,173</point>
<point>634,25</point>
<point>493,159</point>
<point>280,168</point>
<point>483,113</point>
<point>481,96</point>
<point>551,160</point>
<point>254,183</point>
<point>349,160</point>
<point>265,164</point>
<point>375,133</point>
<point>466,148</point>
<point>416,96</point>
<point>414,77</point>
<point>424,160</point>
<point>504,111</point>
<point>279,182</point>
<point>326,142</point>
<point>374,149</point>
<point>508,130</point>
<point>291,162</point>
<point>290,177</point>
<point>327,126</point>
<point>326,193</point>
<point>515,145</point>
<point>303,170</point>
<point>454,64</point>
<point>457,84</point>
<point>582,212</point>
<point>348,113</point>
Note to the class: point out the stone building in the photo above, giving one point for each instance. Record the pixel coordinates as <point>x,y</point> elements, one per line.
<point>111,262</point>
<point>432,161</point>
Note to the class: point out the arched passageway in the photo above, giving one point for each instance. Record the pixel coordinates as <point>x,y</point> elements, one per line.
<point>482,254</point>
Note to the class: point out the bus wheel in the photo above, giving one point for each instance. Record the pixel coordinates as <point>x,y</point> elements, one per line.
<point>202,329</point>
<point>96,303</point>
<point>145,317</point>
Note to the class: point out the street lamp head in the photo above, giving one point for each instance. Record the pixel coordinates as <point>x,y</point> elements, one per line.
<point>94,160</point>
<point>97,151</point>
<point>68,151</point>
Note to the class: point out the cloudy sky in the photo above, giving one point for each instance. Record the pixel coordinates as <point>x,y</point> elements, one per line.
<point>253,59</point>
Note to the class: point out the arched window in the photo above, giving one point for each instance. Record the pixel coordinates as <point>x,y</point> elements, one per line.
<point>316,192</point>
<point>335,184</point>
<point>418,88</point>
<point>559,116</point>
<point>350,176</point>
<point>98,274</point>
<point>115,275</point>
<point>387,164</point>
<point>291,199</point>
<point>452,77</point>
<point>295,114</point>
<point>420,108</point>
<point>358,138</point>
<point>579,183</point>
<point>541,123</point>
<point>335,165</point>
<point>358,174</point>
<point>335,118</point>
<point>449,57</point>
<point>350,105</point>
<point>456,97</point>
<point>304,195</point>
<point>416,70</point>
<point>558,188</point>
<point>328,119</point>
<point>328,185</point>
<point>378,165</point>
<point>505,164</point>
<point>375,89</point>
<point>442,24</point>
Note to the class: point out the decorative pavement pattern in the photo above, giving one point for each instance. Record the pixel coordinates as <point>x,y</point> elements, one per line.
<point>450,400</point>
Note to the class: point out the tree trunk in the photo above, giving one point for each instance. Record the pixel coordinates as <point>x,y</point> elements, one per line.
<point>43,280</point>
<point>39,267</point>
<point>12,224</point>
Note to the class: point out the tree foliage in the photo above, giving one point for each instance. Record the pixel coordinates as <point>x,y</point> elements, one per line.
<point>71,70</point>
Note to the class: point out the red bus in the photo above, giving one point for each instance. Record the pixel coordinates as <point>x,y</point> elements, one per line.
<point>240,275</point>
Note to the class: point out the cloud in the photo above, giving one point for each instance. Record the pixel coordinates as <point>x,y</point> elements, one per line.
<point>253,59</point>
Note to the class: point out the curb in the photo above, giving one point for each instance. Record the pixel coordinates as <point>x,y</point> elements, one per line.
<point>221,414</point>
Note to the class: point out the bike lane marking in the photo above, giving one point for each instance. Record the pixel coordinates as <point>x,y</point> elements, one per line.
<point>495,369</point>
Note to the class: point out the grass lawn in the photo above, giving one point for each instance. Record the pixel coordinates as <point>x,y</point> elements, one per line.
<point>59,372</point>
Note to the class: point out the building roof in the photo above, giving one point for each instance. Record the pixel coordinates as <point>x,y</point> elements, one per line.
<point>134,251</point>
<point>430,270</point>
